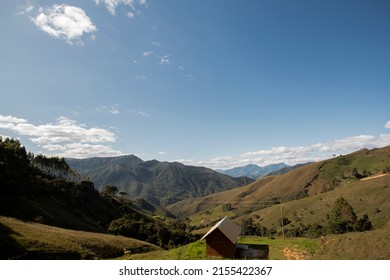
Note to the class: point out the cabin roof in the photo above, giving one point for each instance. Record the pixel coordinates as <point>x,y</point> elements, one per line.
<point>228,228</point>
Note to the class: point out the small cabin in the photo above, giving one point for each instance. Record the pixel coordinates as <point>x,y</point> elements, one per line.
<point>221,239</point>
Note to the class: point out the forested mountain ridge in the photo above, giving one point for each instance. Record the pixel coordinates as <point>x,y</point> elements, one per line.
<point>46,190</point>
<point>161,183</point>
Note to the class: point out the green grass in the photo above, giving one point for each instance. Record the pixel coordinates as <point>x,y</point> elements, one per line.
<point>192,251</point>
<point>28,240</point>
<point>370,245</point>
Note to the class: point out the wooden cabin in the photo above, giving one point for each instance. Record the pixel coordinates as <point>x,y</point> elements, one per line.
<point>221,239</point>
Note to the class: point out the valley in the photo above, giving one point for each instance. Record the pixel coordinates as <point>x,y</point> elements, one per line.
<point>124,207</point>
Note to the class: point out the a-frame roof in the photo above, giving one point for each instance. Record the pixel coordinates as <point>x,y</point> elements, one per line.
<point>228,228</point>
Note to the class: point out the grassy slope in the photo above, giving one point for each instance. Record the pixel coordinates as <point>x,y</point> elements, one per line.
<point>371,197</point>
<point>372,245</point>
<point>28,240</point>
<point>314,179</point>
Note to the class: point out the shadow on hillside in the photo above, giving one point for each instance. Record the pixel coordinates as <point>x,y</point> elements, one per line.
<point>10,248</point>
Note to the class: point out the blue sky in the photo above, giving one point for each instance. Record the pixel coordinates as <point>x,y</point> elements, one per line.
<point>212,83</point>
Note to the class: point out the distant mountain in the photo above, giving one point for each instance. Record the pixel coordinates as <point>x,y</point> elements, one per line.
<point>252,170</point>
<point>161,183</point>
<point>287,169</point>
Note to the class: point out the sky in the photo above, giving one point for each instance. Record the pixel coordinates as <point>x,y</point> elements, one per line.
<point>220,83</point>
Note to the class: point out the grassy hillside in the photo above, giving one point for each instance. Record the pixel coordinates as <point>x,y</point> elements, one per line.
<point>371,245</point>
<point>307,181</point>
<point>28,240</point>
<point>371,197</point>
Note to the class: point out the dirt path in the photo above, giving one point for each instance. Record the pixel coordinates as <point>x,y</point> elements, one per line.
<point>373,177</point>
<point>293,254</point>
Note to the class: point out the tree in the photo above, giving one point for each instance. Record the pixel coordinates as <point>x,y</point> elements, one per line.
<point>248,227</point>
<point>356,174</point>
<point>15,169</point>
<point>226,207</point>
<point>364,224</point>
<point>342,219</point>
<point>110,190</point>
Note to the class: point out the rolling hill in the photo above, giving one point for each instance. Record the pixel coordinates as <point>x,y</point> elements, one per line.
<point>161,183</point>
<point>307,181</point>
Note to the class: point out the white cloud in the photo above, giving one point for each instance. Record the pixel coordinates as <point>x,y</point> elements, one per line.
<point>147,53</point>
<point>65,137</point>
<point>64,22</point>
<point>82,150</point>
<point>387,125</point>
<point>139,112</point>
<point>130,15</point>
<point>112,5</point>
<point>165,60</point>
<point>162,153</point>
<point>10,120</point>
<point>109,109</point>
<point>25,9</point>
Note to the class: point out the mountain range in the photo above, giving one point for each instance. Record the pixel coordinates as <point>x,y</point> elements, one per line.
<point>252,170</point>
<point>161,183</point>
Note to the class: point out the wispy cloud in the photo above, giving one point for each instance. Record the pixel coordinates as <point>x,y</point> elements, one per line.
<point>387,125</point>
<point>162,59</point>
<point>112,5</point>
<point>148,53</point>
<point>130,15</point>
<point>65,137</point>
<point>25,9</point>
<point>64,22</point>
<point>109,109</point>
<point>139,112</point>
<point>298,154</point>
<point>165,59</point>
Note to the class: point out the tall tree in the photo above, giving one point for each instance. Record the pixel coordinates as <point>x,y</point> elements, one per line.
<point>342,219</point>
